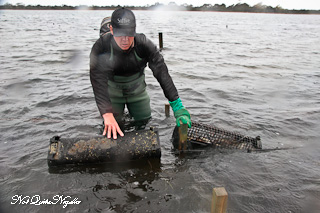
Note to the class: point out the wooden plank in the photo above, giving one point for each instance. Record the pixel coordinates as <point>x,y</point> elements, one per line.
<point>160,41</point>
<point>219,200</point>
<point>183,136</point>
<point>167,110</point>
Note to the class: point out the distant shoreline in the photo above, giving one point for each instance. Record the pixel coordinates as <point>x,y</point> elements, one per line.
<point>170,11</point>
<point>244,8</point>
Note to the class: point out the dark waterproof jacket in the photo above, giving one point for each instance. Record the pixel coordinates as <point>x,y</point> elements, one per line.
<point>108,60</point>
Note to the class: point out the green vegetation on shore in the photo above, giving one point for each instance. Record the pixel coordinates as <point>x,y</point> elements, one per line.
<point>258,8</point>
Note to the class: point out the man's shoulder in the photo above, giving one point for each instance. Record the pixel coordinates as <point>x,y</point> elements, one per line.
<point>144,46</point>
<point>143,41</point>
<point>102,43</point>
<point>140,37</point>
<point>105,37</point>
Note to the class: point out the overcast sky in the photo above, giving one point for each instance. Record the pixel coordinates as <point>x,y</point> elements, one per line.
<point>286,4</point>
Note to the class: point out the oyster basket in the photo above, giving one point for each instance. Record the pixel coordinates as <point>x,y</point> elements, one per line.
<point>203,135</point>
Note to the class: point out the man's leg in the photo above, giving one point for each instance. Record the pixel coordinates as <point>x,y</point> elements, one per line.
<point>139,108</point>
<point>118,109</point>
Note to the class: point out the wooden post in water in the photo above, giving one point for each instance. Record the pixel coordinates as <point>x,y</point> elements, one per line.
<point>167,110</point>
<point>160,41</point>
<point>219,200</point>
<point>183,136</point>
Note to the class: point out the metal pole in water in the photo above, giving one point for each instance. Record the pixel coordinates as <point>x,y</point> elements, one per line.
<point>160,41</point>
<point>219,200</point>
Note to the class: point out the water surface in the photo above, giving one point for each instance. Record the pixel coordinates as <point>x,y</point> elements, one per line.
<point>256,74</point>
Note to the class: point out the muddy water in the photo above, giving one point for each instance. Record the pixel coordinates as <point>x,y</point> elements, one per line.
<point>256,74</point>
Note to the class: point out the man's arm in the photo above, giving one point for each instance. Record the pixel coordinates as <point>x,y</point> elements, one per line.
<point>160,72</point>
<point>99,81</point>
<point>99,77</point>
<point>159,68</point>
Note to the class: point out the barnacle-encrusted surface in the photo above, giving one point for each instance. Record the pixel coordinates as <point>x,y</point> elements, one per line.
<point>134,145</point>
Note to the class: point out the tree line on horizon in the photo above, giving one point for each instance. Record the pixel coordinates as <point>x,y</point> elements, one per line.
<point>172,6</point>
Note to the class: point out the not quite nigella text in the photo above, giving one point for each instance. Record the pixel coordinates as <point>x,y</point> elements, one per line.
<point>37,200</point>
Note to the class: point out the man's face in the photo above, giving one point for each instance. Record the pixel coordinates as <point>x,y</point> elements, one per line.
<point>124,42</point>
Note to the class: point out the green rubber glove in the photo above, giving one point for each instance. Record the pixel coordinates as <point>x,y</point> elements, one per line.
<point>183,116</point>
<point>180,113</point>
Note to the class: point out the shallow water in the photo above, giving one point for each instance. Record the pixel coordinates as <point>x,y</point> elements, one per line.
<point>256,74</point>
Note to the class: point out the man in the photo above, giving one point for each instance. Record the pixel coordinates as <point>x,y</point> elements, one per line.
<point>117,62</point>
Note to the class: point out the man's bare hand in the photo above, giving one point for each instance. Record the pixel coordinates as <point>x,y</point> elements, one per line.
<point>111,126</point>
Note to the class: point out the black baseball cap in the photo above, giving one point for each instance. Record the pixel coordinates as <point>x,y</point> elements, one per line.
<point>123,22</point>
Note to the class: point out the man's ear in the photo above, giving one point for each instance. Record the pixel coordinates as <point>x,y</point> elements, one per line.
<point>111,29</point>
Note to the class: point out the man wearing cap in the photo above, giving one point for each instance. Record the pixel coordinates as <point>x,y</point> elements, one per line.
<point>117,62</point>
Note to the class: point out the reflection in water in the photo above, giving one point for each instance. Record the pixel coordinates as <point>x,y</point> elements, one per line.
<point>130,186</point>
<point>121,184</point>
<point>144,165</point>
